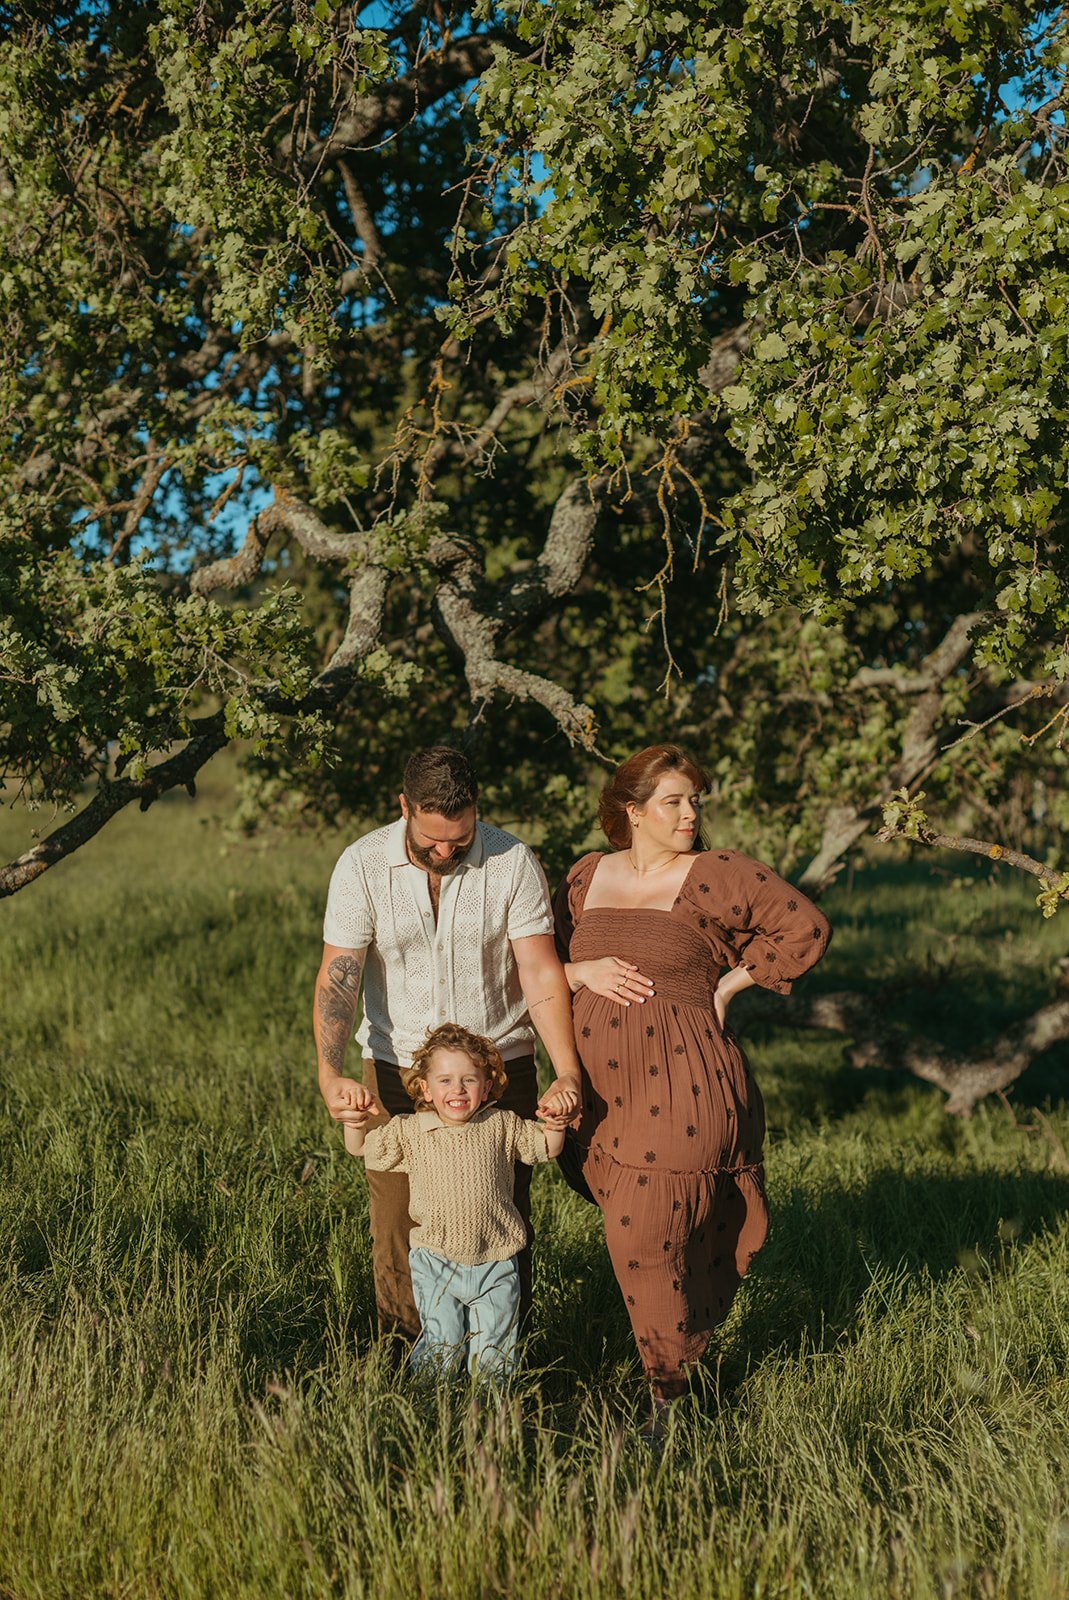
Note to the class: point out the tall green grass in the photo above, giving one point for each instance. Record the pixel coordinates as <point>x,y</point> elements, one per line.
<point>192,1402</point>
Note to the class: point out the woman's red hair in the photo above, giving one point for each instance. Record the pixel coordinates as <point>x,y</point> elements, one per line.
<point>634,782</point>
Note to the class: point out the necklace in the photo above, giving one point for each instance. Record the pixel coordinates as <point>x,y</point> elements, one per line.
<point>648,870</point>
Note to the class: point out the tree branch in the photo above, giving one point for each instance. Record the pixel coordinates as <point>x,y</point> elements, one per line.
<point>475,616</point>
<point>843,825</point>
<point>233,571</point>
<point>177,771</point>
<point>724,356</point>
<point>111,797</point>
<point>150,482</point>
<point>564,554</point>
<point>395,104</point>
<point>964,1079</point>
<point>367,587</point>
<point>286,514</point>
<point>455,443</point>
<point>881,302</point>
<point>363,221</point>
<point>474,634</point>
<point>1055,879</point>
<point>367,599</point>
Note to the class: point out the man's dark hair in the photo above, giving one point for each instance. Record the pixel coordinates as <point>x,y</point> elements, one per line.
<point>440,779</point>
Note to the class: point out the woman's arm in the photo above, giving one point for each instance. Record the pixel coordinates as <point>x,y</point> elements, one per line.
<point>776,932</point>
<point>732,983</point>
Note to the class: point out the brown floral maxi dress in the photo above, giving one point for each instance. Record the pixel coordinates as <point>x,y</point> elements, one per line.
<point>672,1124</point>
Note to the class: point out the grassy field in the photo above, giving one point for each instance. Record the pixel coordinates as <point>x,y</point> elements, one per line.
<point>191,1400</point>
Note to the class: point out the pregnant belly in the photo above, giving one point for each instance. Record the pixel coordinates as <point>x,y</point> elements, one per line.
<point>666,1090</point>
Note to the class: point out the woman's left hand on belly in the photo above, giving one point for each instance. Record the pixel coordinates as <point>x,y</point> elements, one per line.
<point>612,978</point>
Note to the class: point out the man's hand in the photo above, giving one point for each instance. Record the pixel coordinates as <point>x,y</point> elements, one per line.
<point>349,1102</point>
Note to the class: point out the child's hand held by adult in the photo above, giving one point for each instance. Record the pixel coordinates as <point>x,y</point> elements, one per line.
<point>350,1103</point>
<point>559,1104</point>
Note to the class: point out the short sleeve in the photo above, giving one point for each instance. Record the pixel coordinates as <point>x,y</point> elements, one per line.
<point>384,1148</point>
<point>770,927</point>
<point>527,1140</point>
<point>529,910</point>
<point>568,900</point>
<point>350,917</point>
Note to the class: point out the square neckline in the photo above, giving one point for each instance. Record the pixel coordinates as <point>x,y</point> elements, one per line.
<point>661,911</point>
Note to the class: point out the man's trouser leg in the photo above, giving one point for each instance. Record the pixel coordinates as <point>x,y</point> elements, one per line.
<point>388,1203</point>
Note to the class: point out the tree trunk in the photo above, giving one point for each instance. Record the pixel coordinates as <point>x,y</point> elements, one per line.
<point>965,1077</point>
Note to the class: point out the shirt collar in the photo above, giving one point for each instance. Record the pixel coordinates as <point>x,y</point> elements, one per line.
<point>397,855</point>
<point>430,1121</point>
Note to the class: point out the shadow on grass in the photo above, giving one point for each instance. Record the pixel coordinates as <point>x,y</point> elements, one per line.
<point>202,1285</point>
<point>823,1253</point>
<point>807,1287</point>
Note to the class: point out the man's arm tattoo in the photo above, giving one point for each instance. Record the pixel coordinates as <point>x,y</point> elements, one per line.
<point>336,1001</point>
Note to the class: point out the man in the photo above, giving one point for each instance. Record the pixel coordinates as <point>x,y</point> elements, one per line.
<point>446,919</point>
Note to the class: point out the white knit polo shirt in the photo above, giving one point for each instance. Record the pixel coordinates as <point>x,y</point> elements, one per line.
<point>417,974</point>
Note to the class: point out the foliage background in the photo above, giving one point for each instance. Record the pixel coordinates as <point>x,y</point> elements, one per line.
<point>534,357</point>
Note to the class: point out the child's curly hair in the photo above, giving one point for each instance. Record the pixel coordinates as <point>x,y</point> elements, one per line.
<point>451,1036</point>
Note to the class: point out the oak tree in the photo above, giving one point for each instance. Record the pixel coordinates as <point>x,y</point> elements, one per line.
<point>557,376</point>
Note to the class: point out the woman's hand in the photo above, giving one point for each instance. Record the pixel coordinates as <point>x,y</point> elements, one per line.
<point>558,1106</point>
<point>729,986</point>
<point>610,977</point>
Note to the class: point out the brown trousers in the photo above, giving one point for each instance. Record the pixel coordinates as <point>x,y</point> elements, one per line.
<point>388,1191</point>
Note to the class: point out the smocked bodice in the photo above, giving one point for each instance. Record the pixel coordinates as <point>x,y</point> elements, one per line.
<point>679,962</point>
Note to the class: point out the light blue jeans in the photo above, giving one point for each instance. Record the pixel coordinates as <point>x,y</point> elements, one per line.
<point>465,1309</point>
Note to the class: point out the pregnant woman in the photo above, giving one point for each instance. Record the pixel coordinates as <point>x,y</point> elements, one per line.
<point>657,937</point>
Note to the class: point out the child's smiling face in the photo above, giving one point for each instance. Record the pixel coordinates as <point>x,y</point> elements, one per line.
<point>455,1085</point>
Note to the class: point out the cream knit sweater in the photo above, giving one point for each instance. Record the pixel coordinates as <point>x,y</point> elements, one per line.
<point>460,1179</point>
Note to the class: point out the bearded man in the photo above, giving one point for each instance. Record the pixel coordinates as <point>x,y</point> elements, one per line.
<point>445,919</point>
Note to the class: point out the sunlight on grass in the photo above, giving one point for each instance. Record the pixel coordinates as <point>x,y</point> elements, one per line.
<point>191,1399</point>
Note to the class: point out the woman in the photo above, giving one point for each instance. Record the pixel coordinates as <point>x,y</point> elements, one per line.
<point>657,939</point>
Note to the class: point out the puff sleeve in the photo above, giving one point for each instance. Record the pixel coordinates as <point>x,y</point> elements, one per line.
<point>770,927</point>
<point>568,901</point>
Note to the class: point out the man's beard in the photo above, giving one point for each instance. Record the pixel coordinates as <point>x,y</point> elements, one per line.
<point>432,863</point>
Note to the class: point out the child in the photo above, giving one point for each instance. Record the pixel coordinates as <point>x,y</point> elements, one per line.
<point>459,1151</point>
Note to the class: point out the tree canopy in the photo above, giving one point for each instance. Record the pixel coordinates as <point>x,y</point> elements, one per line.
<point>556,376</point>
